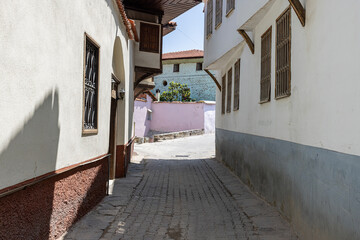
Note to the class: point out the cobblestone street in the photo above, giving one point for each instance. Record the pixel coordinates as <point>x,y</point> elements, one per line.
<point>180,192</point>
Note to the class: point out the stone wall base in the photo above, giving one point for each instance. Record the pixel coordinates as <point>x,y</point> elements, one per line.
<point>47,209</point>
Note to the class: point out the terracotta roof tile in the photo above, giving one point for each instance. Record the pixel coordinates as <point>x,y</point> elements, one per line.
<point>183,54</point>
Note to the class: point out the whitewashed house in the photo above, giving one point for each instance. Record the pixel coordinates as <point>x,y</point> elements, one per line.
<point>287,119</point>
<point>69,73</point>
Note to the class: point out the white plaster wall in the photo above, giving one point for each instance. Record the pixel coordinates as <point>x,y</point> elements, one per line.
<point>209,117</point>
<point>41,93</point>
<point>146,59</point>
<point>225,36</point>
<point>322,110</point>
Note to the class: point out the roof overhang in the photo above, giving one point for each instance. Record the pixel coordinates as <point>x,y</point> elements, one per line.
<point>229,55</point>
<point>168,9</point>
<point>255,19</point>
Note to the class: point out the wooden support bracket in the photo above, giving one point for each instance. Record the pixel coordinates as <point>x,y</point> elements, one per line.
<point>247,40</point>
<point>299,10</point>
<point>213,78</point>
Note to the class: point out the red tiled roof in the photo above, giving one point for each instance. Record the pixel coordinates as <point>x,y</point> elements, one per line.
<point>183,54</point>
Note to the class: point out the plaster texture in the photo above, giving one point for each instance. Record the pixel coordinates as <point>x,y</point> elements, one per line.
<point>317,189</point>
<point>202,87</point>
<point>48,209</point>
<point>41,97</point>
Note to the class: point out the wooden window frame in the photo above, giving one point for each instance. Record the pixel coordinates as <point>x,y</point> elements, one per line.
<point>229,9</point>
<point>209,17</point>
<point>218,13</point>
<point>229,90</point>
<point>199,68</point>
<point>237,70</point>
<point>145,38</point>
<point>265,76</point>
<point>94,131</point>
<point>280,90</point>
<point>223,95</point>
<point>176,67</point>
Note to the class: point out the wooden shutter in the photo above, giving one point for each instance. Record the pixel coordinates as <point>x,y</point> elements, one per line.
<point>237,85</point>
<point>209,18</point>
<point>229,86</point>
<point>218,17</point>
<point>265,81</point>
<point>149,37</point>
<point>230,5</point>
<point>283,55</point>
<point>223,94</point>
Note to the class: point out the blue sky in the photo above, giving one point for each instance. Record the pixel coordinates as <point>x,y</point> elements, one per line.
<point>189,33</point>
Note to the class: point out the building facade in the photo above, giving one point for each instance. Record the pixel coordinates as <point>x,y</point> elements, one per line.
<point>70,73</point>
<point>287,114</point>
<point>186,67</point>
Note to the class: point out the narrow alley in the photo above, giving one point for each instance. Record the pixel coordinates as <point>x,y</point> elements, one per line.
<point>176,190</point>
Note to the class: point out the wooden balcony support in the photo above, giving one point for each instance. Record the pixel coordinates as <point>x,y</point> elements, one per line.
<point>299,10</point>
<point>213,78</point>
<point>247,40</point>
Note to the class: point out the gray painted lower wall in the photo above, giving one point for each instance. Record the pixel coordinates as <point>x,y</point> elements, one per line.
<point>318,190</point>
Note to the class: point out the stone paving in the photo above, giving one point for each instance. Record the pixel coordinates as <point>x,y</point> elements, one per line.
<point>185,196</point>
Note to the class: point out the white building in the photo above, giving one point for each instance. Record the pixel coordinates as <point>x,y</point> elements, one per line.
<point>287,118</point>
<point>69,73</point>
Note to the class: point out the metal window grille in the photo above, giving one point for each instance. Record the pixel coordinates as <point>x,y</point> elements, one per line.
<point>237,85</point>
<point>176,68</point>
<point>223,94</point>
<point>229,85</point>
<point>218,16</point>
<point>283,55</point>
<point>230,5</point>
<point>209,18</point>
<point>265,81</point>
<point>91,85</point>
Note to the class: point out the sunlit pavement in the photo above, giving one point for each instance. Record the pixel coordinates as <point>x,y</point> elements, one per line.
<point>180,192</point>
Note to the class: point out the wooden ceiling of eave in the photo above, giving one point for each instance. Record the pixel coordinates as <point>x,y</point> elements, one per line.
<point>170,8</point>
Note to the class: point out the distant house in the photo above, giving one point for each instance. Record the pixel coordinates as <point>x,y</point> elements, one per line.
<point>186,67</point>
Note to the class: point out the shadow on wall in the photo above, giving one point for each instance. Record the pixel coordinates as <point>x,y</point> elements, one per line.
<point>47,209</point>
<point>32,152</point>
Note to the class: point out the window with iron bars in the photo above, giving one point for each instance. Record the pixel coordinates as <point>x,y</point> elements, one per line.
<point>265,81</point>
<point>283,55</point>
<point>91,86</point>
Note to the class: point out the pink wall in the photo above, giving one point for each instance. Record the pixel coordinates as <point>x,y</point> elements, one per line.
<point>142,125</point>
<point>174,117</point>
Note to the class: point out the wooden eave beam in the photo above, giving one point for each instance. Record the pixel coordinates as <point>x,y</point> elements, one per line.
<point>247,40</point>
<point>213,78</point>
<point>299,10</point>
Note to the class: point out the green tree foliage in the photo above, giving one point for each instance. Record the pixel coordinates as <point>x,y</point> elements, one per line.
<point>176,92</point>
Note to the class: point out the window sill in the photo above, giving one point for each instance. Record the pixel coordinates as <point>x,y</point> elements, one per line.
<point>88,132</point>
<point>217,26</point>
<point>264,101</point>
<point>228,14</point>
<point>283,96</point>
